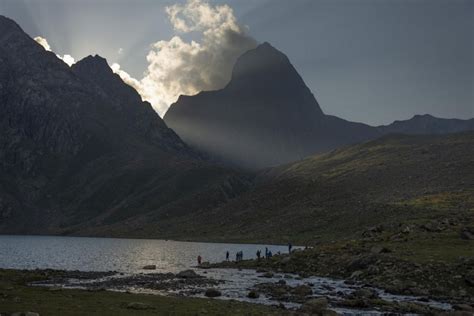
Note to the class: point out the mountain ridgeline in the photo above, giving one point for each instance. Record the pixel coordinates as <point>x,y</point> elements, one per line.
<point>82,154</point>
<point>267,116</point>
<point>79,148</point>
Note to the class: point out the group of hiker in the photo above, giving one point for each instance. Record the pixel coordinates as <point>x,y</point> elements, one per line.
<point>239,256</point>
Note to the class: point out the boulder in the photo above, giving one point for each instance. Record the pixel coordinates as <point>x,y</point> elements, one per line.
<point>212,293</point>
<point>365,293</point>
<point>267,275</point>
<point>149,267</point>
<point>467,233</point>
<point>302,290</point>
<point>187,274</point>
<point>253,294</point>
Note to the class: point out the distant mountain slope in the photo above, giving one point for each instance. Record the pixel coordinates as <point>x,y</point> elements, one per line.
<point>78,147</point>
<point>428,124</point>
<point>339,194</point>
<point>265,116</point>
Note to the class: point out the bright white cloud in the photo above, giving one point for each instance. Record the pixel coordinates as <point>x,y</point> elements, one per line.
<point>177,67</point>
<point>68,59</point>
<point>43,42</point>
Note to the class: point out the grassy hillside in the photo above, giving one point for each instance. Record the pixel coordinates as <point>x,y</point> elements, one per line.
<point>393,181</point>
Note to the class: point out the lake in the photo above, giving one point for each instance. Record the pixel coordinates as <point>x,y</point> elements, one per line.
<point>114,254</point>
<point>129,256</point>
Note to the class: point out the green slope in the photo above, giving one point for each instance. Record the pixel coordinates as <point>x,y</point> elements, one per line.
<point>338,195</point>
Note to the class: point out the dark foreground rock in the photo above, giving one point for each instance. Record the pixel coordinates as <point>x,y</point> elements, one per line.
<point>212,293</point>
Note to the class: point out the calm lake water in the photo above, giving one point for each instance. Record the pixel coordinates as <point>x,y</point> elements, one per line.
<point>114,254</point>
<point>130,255</point>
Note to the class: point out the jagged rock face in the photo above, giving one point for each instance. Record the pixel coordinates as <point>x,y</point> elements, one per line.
<point>126,100</point>
<point>79,148</point>
<point>265,116</point>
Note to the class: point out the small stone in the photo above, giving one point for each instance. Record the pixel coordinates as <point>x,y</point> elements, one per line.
<point>253,294</point>
<point>150,267</point>
<point>356,274</point>
<point>212,293</point>
<point>379,249</point>
<point>372,269</point>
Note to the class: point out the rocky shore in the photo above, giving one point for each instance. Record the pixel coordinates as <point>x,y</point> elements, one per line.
<point>18,297</point>
<point>371,265</point>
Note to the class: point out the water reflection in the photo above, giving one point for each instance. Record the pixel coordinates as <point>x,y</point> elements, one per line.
<point>119,254</point>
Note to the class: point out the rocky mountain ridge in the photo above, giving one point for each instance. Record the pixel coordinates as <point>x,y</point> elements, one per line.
<point>267,116</point>
<point>78,147</point>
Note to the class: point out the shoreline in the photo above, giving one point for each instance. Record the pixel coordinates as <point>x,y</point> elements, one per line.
<point>50,281</point>
<point>17,296</point>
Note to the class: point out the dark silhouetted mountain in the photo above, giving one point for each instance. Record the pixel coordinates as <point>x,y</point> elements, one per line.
<point>265,116</point>
<point>79,148</point>
<point>428,124</point>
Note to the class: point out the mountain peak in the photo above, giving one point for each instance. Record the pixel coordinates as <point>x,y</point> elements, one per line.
<point>11,32</point>
<point>260,60</point>
<point>7,23</point>
<point>423,116</point>
<point>94,64</point>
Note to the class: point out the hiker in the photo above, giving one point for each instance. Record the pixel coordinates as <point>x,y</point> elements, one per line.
<point>290,246</point>
<point>227,256</point>
<point>270,254</point>
<point>258,254</point>
<point>199,259</point>
<point>239,256</point>
<point>266,252</point>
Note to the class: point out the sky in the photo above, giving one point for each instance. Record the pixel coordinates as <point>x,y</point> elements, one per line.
<point>371,61</point>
